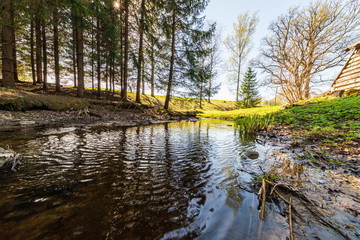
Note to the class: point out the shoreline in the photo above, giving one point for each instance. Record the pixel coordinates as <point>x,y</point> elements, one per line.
<point>11,121</point>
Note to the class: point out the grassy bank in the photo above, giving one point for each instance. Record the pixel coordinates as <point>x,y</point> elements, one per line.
<point>15,100</point>
<point>332,121</point>
<point>186,104</point>
<point>28,97</point>
<point>232,115</point>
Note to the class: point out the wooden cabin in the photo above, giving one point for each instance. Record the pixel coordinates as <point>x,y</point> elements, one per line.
<point>349,76</point>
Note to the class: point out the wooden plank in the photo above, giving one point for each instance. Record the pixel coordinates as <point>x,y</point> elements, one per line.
<point>350,73</point>
<point>347,86</point>
<point>352,53</point>
<point>351,65</point>
<point>354,45</point>
<point>348,81</point>
<point>354,58</point>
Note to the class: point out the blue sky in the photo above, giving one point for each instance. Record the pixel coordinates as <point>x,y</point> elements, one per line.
<point>225,12</point>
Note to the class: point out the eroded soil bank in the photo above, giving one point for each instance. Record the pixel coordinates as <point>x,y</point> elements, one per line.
<point>99,115</point>
<point>323,183</point>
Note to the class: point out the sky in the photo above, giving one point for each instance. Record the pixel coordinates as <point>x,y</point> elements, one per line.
<point>225,13</point>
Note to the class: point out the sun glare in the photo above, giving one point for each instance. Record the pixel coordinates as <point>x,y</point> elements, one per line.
<point>116,5</point>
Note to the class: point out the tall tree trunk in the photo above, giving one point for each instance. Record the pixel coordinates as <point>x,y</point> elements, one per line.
<point>121,58</point>
<point>6,46</point>
<point>32,59</point>
<point>106,75</point>
<point>110,76</point>
<point>238,80</point>
<point>80,56</point>
<point>92,54</point>
<point>13,35</point>
<point>126,57</point>
<point>172,61</point>
<point>98,55</point>
<point>201,93</point>
<point>114,73</point>
<point>74,55</point>
<point>211,72</point>
<point>143,79</point>
<point>38,47</point>
<point>140,61</point>
<point>56,48</point>
<point>44,54</point>
<point>152,69</point>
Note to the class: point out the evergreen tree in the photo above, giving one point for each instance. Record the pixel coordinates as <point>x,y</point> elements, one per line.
<point>199,67</point>
<point>7,29</point>
<point>183,16</point>
<point>249,90</point>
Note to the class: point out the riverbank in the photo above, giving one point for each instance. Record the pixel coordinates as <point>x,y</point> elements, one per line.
<point>321,126</point>
<point>329,126</point>
<point>31,106</point>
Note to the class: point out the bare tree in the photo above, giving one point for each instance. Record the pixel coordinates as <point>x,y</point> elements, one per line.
<point>305,42</point>
<point>239,44</point>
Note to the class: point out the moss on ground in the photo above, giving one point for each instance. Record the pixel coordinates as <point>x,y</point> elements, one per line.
<point>17,100</point>
<point>14,100</point>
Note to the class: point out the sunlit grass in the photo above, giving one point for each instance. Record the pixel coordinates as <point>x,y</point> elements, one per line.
<point>254,123</point>
<point>232,115</point>
<point>334,121</point>
<point>14,100</point>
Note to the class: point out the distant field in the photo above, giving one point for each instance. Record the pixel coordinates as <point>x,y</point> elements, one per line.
<point>231,115</point>
<point>28,97</point>
<point>183,103</point>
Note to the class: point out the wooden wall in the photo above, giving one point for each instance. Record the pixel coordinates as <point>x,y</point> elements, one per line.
<point>349,77</point>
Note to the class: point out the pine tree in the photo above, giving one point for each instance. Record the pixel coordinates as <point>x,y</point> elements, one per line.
<point>183,16</point>
<point>6,39</point>
<point>198,66</point>
<point>249,90</point>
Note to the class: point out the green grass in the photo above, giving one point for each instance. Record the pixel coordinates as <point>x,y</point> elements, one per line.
<point>232,115</point>
<point>14,100</point>
<point>183,104</point>
<point>333,121</point>
<point>267,176</point>
<point>254,123</point>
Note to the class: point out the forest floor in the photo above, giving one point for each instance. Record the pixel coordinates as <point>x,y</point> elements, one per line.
<point>31,106</point>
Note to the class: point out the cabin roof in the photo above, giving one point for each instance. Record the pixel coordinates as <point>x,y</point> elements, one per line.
<point>355,45</point>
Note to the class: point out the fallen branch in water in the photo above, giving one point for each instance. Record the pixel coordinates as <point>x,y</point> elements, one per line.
<point>290,221</point>
<point>318,214</point>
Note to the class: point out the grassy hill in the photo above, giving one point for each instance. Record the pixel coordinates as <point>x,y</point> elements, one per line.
<point>333,121</point>
<point>28,97</point>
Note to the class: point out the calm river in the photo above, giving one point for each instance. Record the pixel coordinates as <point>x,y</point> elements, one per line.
<point>179,180</point>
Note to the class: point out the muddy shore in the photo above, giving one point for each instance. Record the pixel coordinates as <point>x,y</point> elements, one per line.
<point>325,180</point>
<point>101,115</point>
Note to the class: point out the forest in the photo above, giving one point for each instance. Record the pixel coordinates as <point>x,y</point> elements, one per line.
<point>109,45</point>
<point>110,126</point>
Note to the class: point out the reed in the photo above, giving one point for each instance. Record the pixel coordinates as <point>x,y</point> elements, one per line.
<point>254,123</point>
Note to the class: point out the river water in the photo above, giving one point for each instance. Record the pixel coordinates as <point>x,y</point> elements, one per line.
<point>180,180</point>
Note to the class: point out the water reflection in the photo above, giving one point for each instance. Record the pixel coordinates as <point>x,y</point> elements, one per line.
<point>172,180</point>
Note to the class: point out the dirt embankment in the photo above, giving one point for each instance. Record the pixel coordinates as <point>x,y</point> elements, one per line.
<point>36,108</point>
